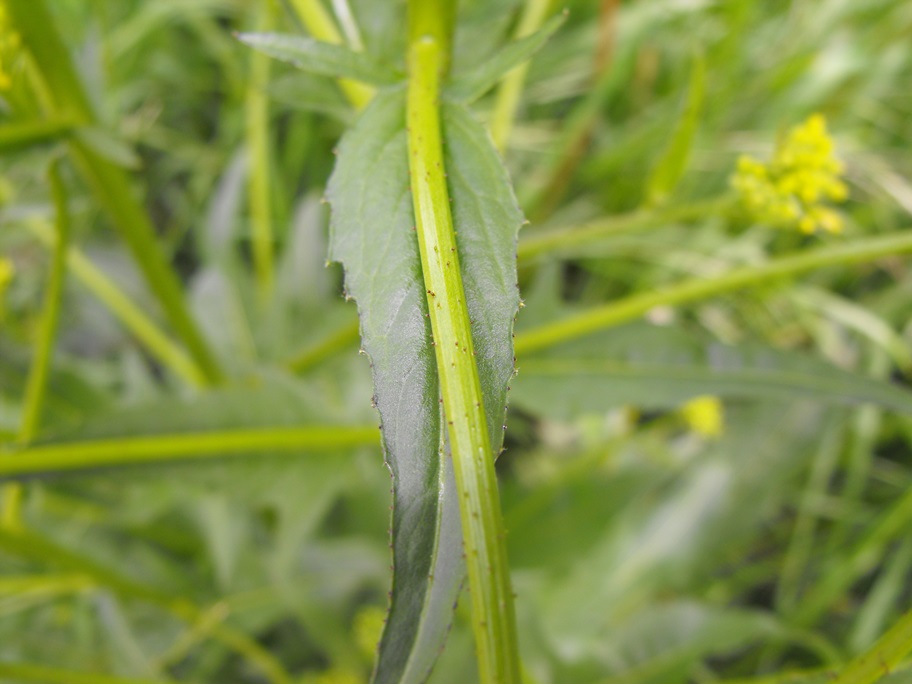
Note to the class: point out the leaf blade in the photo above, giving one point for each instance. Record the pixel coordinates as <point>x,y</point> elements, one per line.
<point>371,235</point>
<point>468,87</point>
<point>318,57</point>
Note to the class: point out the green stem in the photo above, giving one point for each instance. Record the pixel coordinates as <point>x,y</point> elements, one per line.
<point>36,384</point>
<point>258,164</point>
<point>883,657</point>
<point>493,618</point>
<point>321,26</point>
<point>25,672</point>
<point>108,182</point>
<point>134,319</point>
<point>510,89</point>
<point>633,307</point>
<point>85,455</point>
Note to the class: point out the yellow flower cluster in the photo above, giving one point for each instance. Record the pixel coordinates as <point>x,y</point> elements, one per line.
<point>704,416</point>
<point>9,46</point>
<point>791,190</point>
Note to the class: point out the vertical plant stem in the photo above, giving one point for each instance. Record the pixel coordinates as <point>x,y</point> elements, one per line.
<point>322,27</point>
<point>258,163</point>
<point>493,618</point>
<point>36,384</point>
<point>510,89</point>
<point>108,182</point>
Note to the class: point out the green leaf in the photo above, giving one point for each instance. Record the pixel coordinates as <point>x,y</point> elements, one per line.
<point>472,85</point>
<point>658,367</point>
<point>321,58</point>
<point>23,135</point>
<point>372,234</point>
<point>673,162</point>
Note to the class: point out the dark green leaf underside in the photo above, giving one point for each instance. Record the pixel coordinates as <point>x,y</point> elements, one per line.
<point>372,235</point>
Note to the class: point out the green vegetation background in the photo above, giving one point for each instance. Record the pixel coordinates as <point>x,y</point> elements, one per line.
<point>644,549</point>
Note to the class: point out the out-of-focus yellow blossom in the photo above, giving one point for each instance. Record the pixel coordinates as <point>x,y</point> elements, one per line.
<point>367,627</point>
<point>792,189</point>
<point>704,416</point>
<point>7,273</point>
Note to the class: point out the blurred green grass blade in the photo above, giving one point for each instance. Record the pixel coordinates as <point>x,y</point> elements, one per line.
<point>857,561</point>
<point>113,192</point>
<point>318,57</point>
<point>108,182</point>
<point>659,367</point>
<point>133,318</point>
<point>469,87</point>
<point>633,307</point>
<point>18,136</point>
<point>32,545</point>
<point>882,600</point>
<point>36,26</point>
<point>24,672</point>
<point>510,91</point>
<point>672,164</point>
<point>801,546</point>
<point>90,454</point>
<point>50,316</point>
<point>340,339</point>
<point>879,660</point>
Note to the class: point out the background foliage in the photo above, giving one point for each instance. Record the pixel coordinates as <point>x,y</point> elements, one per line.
<point>763,533</point>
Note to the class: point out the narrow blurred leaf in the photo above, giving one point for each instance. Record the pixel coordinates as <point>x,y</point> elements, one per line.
<point>472,85</point>
<point>372,235</point>
<point>673,162</point>
<point>321,58</point>
<point>108,146</point>
<point>22,135</point>
<point>657,367</point>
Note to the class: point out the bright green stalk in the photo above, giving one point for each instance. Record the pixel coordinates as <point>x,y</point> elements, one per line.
<point>134,319</point>
<point>883,657</point>
<point>631,308</point>
<point>510,89</point>
<point>108,182</point>
<point>258,164</point>
<point>24,672</point>
<point>36,384</point>
<point>493,618</point>
<point>321,26</point>
<point>86,455</point>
